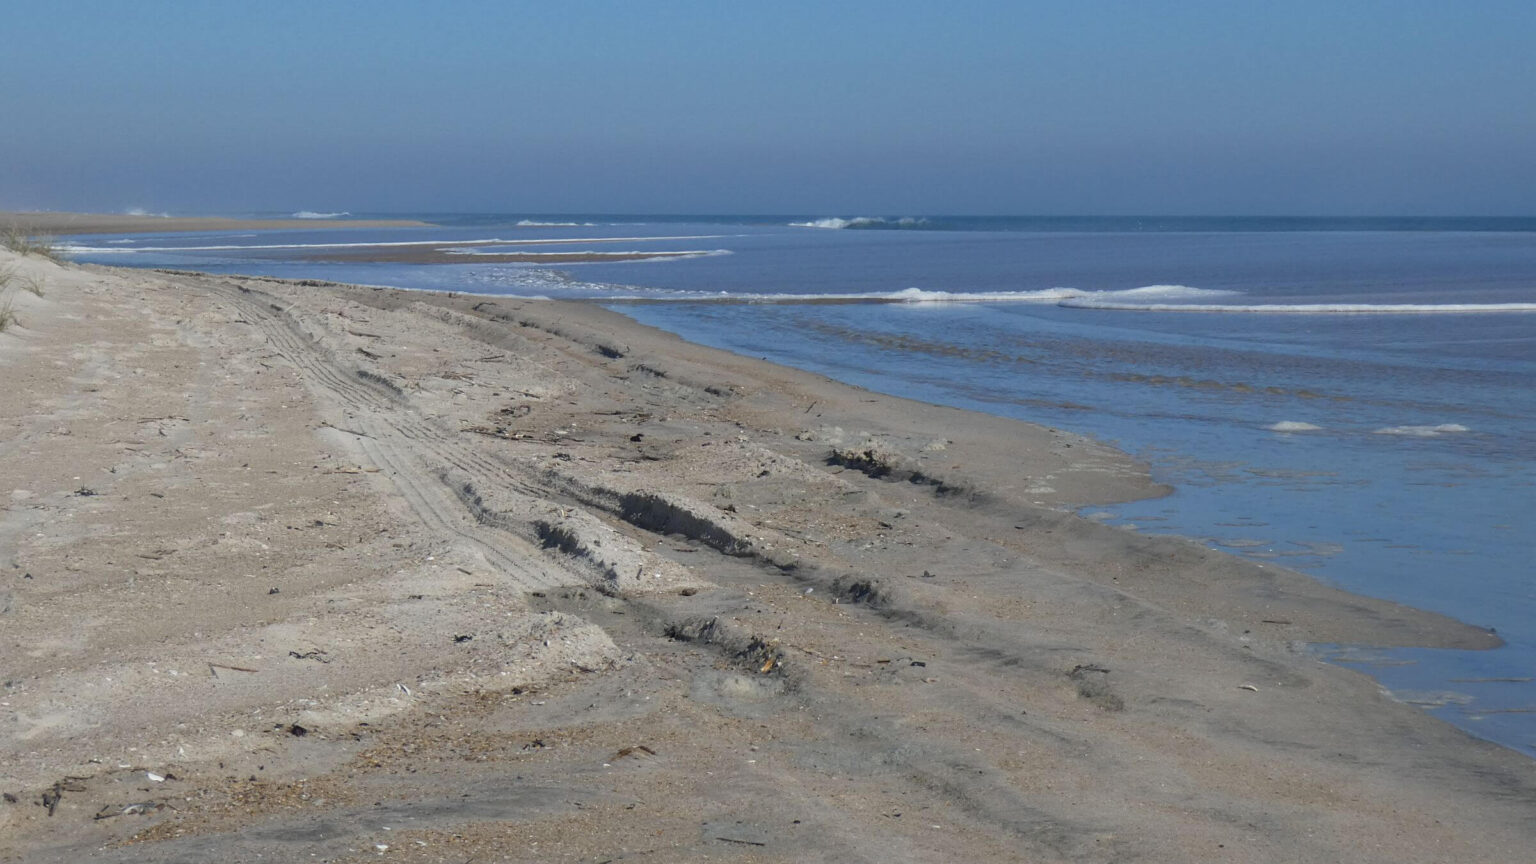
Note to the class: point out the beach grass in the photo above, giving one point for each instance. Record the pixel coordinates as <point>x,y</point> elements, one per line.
<point>34,284</point>
<point>24,241</point>
<point>7,313</point>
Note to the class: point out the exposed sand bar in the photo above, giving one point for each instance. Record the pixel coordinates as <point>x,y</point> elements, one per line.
<point>285,565</point>
<point>122,223</point>
<point>459,253</point>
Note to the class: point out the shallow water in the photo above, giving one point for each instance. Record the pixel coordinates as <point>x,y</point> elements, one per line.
<point>1388,453</point>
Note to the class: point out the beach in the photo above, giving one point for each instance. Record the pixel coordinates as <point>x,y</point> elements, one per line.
<point>304,570</point>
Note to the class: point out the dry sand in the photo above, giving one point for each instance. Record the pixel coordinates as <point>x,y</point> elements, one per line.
<point>298,572</point>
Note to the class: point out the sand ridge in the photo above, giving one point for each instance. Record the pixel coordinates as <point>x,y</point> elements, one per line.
<point>523,580</point>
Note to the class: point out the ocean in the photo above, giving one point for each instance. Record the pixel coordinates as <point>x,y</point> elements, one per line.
<point>1351,398</point>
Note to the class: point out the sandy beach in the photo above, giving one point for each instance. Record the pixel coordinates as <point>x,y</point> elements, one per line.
<point>304,571</point>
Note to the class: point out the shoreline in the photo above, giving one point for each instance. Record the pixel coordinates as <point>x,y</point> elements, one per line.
<point>706,586</point>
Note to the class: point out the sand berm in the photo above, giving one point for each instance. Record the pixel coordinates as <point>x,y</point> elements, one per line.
<point>293,571</point>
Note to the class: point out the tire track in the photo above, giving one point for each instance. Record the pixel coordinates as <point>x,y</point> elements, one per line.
<point>411,451</point>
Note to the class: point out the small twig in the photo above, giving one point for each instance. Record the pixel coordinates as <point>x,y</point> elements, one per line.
<point>742,842</point>
<point>214,666</point>
<point>348,431</point>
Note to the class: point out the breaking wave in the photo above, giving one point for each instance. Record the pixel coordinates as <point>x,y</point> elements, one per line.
<point>534,223</point>
<point>1123,301</point>
<point>837,223</point>
<point>633,254</point>
<point>311,214</point>
<point>1424,431</point>
<point>1293,426</point>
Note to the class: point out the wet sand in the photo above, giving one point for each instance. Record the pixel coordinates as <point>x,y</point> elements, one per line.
<point>298,571</point>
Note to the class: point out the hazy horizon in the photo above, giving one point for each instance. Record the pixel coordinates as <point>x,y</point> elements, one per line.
<point>1371,109</point>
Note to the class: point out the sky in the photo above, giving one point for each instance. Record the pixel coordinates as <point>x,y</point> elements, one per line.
<point>1305,107</point>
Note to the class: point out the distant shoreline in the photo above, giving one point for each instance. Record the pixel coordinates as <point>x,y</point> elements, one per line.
<point>122,223</point>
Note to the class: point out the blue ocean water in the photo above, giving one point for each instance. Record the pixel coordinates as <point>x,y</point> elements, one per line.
<point>1352,398</point>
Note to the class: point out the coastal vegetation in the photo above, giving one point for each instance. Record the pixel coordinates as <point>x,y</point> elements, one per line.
<point>22,240</point>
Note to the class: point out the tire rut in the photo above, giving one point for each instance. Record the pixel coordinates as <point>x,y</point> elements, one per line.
<point>410,451</point>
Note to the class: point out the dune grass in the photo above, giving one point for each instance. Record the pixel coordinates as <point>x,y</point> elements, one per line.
<point>7,313</point>
<point>21,240</point>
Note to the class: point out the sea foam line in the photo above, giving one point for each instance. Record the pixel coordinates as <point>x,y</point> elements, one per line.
<point>837,223</point>
<point>74,249</point>
<point>1090,302</point>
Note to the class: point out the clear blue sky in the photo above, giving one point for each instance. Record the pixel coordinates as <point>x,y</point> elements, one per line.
<point>847,107</point>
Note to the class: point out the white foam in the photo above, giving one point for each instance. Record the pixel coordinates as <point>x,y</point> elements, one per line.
<point>140,211</point>
<point>1293,426</point>
<point>532,223</point>
<point>653,254</point>
<point>1161,292</point>
<point>1424,431</point>
<point>835,223</point>
<point>919,295</point>
<point>1107,301</point>
<point>311,214</point>
<point>392,244</point>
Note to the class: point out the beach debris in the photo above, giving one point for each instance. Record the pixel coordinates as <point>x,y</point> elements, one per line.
<point>273,590</point>
<point>346,430</point>
<point>1247,687</point>
<point>155,778</point>
<point>635,751</point>
<point>297,731</point>
<point>86,492</point>
<point>465,638</point>
<point>139,808</point>
<point>55,793</point>
<point>740,842</point>
<point>214,667</point>
<point>317,654</point>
